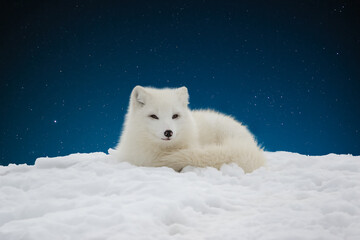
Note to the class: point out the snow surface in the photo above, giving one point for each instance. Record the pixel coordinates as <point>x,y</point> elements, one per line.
<point>89,196</point>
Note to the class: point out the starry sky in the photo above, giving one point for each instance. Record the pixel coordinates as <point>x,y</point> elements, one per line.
<point>289,70</point>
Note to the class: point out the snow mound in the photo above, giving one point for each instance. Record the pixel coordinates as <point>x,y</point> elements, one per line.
<point>89,196</point>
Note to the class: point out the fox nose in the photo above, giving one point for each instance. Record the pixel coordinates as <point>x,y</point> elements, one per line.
<point>168,133</point>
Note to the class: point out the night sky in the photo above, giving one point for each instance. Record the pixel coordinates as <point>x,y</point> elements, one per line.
<point>289,70</point>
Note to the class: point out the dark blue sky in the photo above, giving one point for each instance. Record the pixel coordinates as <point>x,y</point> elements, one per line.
<point>288,69</point>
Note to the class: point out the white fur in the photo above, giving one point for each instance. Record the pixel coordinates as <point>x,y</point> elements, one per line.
<point>200,138</point>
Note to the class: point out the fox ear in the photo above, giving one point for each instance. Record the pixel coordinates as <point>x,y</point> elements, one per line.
<point>183,94</point>
<point>138,96</point>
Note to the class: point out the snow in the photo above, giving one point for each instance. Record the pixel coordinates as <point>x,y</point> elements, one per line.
<point>90,196</point>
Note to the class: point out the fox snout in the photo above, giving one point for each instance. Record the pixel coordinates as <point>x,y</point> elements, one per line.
<point>168,133</point>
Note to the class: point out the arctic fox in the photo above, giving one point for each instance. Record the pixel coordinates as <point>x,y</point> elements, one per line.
<point>160,130</point>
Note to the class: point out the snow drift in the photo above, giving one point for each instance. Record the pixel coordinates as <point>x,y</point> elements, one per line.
<point>88,196</point>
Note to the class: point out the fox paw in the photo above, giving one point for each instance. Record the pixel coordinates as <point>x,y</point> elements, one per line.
<point>171,161</point>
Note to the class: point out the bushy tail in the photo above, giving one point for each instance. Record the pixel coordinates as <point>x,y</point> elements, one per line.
<point>248,156</point>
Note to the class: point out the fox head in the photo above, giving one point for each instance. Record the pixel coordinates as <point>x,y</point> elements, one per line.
<point>160,115</point>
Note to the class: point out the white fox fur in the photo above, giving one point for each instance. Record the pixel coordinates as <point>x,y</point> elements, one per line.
<point>198,138</point>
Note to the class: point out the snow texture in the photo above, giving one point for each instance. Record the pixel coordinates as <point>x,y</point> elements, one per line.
<point>89,196</point>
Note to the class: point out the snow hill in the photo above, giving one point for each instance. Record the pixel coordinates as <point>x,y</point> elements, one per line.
<point>88,196</point>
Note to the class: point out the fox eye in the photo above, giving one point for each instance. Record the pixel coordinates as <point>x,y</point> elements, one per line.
<point>175,116</point>
<point>154,116</point>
